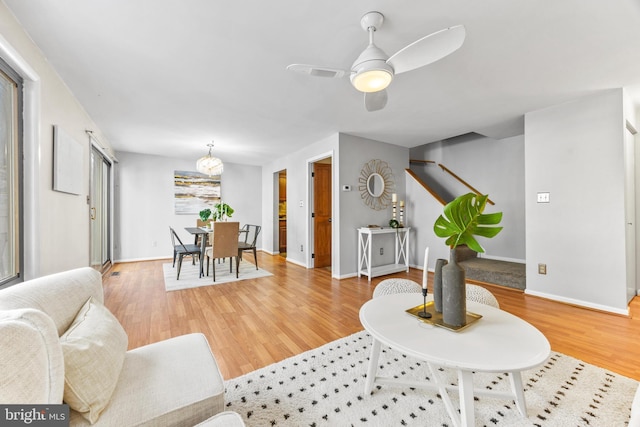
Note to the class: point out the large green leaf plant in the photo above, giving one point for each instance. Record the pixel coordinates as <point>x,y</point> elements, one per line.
<point>462,219</point>
<point>222,211</point>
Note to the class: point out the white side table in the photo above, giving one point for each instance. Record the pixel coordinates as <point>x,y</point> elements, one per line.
<point>365,244</point>
<point>498,342</point>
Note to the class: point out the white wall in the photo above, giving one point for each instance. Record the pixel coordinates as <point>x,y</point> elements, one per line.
<point>145,207</point>
<point>57,224</point>
<point>298,182</point>
<point>575,152</point>
<point>493,167</point>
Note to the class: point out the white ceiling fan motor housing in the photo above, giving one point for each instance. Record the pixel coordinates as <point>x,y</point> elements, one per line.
<point>370,71</point>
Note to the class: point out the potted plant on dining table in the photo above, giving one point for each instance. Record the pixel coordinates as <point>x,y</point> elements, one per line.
<point>222,211</point>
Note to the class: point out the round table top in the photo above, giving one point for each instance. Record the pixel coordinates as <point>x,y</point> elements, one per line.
<point>498,342</point>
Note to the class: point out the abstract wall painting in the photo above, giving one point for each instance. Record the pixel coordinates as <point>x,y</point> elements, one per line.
<point>195,191</point>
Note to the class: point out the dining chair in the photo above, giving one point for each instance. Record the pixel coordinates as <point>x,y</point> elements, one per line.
<point>181,250</point>
<point>251,233</point>
<point>201,224</point>
<point>224,243</point>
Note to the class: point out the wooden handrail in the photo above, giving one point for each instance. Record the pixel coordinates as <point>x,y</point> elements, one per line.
<point>463,182</point>
<point>422,161</point>
<point>426,187</point>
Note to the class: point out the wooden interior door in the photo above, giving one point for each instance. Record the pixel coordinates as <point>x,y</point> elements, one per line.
<point>322,214</point>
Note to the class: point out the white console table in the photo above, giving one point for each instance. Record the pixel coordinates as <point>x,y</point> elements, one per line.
<point>365,244</point>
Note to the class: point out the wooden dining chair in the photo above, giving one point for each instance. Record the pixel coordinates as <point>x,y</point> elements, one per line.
<point>181,250</point>
<point>248,241</point>
<point>224,243</point>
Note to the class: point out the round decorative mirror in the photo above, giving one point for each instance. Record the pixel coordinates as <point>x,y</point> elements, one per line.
<point>376,184</point>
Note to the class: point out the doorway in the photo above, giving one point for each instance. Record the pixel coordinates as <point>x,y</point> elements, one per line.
<point>282,213</point>
<point>322,213</point>
<point>100,211</point>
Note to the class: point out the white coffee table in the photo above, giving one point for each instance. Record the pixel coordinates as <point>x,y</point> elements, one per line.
<point>498,342</point>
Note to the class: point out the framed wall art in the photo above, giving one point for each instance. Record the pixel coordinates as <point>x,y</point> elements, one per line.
<point>67,162</point>
<point>195,191</point>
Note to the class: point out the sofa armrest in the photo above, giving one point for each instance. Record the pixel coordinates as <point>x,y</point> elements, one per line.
<point>60,295</point>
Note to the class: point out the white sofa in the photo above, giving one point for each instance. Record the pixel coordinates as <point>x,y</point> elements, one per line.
<point>46,325</point>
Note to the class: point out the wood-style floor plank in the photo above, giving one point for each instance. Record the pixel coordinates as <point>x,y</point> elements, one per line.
<point>256,322</point>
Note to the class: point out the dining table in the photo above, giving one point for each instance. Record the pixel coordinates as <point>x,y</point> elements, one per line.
<point>203,233</point>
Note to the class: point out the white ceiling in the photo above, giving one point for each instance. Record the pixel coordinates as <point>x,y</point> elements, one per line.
<point>168,76</point>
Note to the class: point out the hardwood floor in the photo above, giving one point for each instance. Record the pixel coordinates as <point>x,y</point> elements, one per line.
<point>253,323</point>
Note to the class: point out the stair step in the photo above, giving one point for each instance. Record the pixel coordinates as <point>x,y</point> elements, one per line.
<point>505,273</point>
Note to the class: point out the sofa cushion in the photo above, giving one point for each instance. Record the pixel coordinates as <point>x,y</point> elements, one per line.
<point>175,382</point>
<point>31,363</point>
<point>94,349</point>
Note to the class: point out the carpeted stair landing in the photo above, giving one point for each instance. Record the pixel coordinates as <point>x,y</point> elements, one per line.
<point>510,274</point>
<point>505,273</point>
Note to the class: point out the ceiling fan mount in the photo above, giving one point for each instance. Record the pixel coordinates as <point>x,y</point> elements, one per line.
<point>373,70</point>
<point>371,20</point>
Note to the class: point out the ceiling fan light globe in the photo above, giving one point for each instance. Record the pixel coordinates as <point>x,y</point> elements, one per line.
<point>371,80</point>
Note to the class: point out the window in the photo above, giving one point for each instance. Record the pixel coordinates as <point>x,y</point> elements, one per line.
<point>11,234</point>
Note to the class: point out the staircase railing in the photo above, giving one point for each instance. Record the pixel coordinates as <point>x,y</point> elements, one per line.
<point>426,187</point>
<point>450,172</point>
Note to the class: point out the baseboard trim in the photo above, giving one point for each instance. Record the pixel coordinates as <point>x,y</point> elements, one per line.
<point>293,261</point>
<point>502,258</point>
<point>142,259</point>
<point>578,303</point>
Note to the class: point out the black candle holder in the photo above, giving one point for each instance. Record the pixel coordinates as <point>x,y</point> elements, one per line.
<point>424,313</point>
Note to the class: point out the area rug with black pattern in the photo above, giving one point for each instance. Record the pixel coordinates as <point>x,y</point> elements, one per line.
<point>325,387</point>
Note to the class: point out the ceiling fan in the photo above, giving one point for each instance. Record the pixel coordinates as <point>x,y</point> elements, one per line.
<point>374,70</point>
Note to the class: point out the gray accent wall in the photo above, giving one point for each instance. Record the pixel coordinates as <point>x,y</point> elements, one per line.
<point>493,167</point>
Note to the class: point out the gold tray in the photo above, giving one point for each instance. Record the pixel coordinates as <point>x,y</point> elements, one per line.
<point>436,318</point>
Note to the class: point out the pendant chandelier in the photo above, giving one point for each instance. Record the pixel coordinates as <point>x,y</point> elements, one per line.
<point>209,165</point>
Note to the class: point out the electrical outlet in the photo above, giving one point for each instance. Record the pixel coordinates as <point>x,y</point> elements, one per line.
<point>542,268</point>
<point>381,251</point>
<point>301,248</point>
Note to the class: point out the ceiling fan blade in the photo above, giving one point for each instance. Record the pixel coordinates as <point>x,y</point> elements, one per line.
<point>374,101</point>
<point>314,70</point>
<point>428,49</point>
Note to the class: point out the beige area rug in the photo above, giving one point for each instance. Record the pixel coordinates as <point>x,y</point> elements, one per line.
<point>325,387</point>
<point>189,274</point>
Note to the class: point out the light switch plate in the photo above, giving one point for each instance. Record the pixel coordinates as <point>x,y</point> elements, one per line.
<point>544,197</point>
